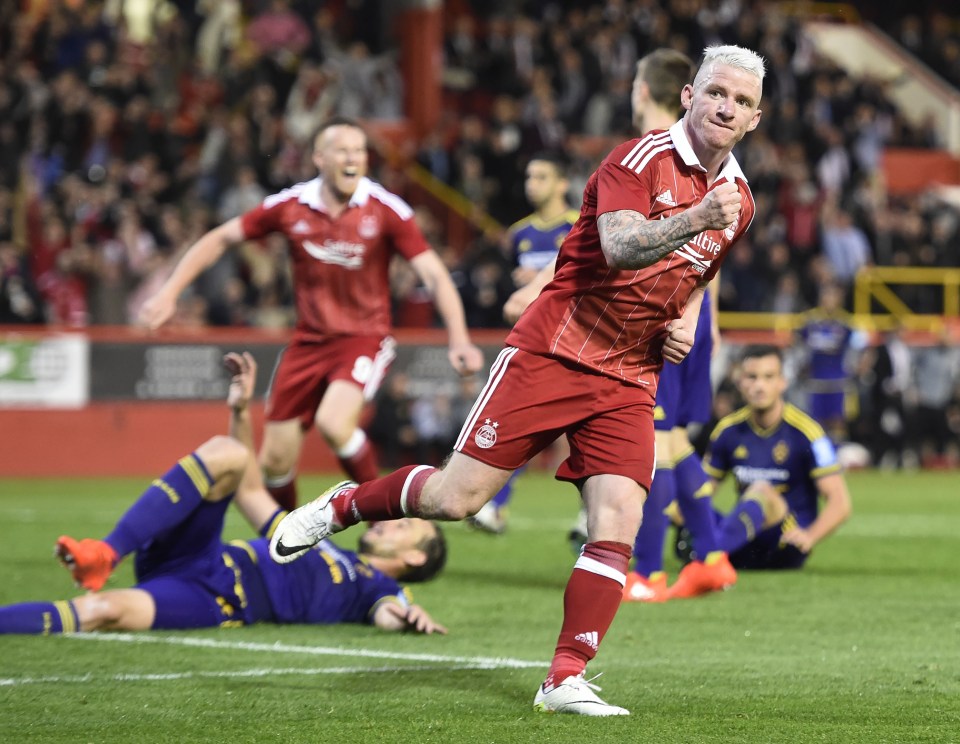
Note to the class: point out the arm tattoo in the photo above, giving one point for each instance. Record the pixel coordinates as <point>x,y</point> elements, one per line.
<point>631,241</point>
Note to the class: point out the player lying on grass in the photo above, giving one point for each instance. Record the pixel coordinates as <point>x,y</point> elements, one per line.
<point>187,577</point>
<point>783,464</point>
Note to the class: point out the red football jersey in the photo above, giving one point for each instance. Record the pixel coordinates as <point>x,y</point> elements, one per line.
<point>340,265</point>
<point>614,321</point>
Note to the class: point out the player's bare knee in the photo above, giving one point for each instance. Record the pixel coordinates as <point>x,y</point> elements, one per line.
<point>96,612</point>
<point>225,459</point>
<point>336,433</point>
<point>773,504</point>
<point>275,461</point>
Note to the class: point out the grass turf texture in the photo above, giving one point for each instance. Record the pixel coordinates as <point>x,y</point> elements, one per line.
<point>861,646</point>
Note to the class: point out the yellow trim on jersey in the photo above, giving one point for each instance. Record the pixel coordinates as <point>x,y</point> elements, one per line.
<point>829,470</point>
<point>191,466</point>
<point>533,220</point>
<point>68,621</point>
<point>737,417</point>
<point>243,544</point>
<point>802,422</point>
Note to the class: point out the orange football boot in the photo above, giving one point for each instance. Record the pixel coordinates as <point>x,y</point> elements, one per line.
<point>89,561</point>
<point>715,574</point>
<point>641,589</point>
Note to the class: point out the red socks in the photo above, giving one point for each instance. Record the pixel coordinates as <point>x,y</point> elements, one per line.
<point>590,603</point>
<point>392,497</point>
<point>360,466</point>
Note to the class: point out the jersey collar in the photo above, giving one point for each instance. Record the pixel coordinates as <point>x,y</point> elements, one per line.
<point>311,194</point>
<point>731,168</point>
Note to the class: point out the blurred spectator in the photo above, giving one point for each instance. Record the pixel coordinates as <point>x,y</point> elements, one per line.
<point>935,374</point>
<point>244,194</point>
<point>312,100</point>
<point>845,246</point>
<point>391,428</point>
<point>890,373</point>
<point>19,299</point>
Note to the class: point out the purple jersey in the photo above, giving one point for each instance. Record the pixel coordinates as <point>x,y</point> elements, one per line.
<point>685,392</point>
<point>791,457</point>
<point>197,581</point>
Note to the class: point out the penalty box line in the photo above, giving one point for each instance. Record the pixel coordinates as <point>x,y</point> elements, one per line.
<point>236,674</point>
<point>476,662</point>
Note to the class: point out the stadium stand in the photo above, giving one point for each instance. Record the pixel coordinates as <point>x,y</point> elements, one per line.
<point>124,135</point>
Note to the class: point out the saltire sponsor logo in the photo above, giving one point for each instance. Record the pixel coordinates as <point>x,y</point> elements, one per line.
<point>337,252</point>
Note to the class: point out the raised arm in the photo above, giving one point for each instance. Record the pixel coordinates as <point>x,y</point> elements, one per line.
<point>201,255</point>
<point>631,241</point>
<point>465,358</point>
<point>252,500</point>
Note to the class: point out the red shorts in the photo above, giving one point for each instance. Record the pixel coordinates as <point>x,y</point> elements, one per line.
<point>306,368</point>
<point>529,400</point>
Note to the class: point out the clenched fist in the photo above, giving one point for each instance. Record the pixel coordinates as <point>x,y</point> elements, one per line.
<point>721,206</point>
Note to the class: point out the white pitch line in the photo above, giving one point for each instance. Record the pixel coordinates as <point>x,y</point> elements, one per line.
<point>240,673</point>
<point>484,662</point>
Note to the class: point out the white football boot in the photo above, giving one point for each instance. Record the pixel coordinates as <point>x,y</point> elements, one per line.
<point>575,695</point>
<point>303,528</point>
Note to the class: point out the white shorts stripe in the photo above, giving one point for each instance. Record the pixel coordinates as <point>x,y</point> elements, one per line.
<point>594,566</point>
<point>406,487</point>
<point>497,370</point>
<point>381,363</point>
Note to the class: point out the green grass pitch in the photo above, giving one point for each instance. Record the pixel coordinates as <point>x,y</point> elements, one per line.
<point>861,646</point>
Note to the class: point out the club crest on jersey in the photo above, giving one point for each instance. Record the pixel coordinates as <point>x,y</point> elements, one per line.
<point>338,252</point>
<point>486,436</point>
<point>369,227</point>
<point>781,452</point>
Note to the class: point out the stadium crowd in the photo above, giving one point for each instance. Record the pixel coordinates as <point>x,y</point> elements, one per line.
<point>123,138</point>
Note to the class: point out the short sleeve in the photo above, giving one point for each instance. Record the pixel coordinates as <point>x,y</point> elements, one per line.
<point>619,188</point>
<point>823,457</point>
<point>261,220</point>
<point>405,235</point>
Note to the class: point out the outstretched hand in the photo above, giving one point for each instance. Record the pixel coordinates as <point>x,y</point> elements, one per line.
<point>465,358</point>
<point>243,370</point>
<point>157,310</point>
<point>414,619</point>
